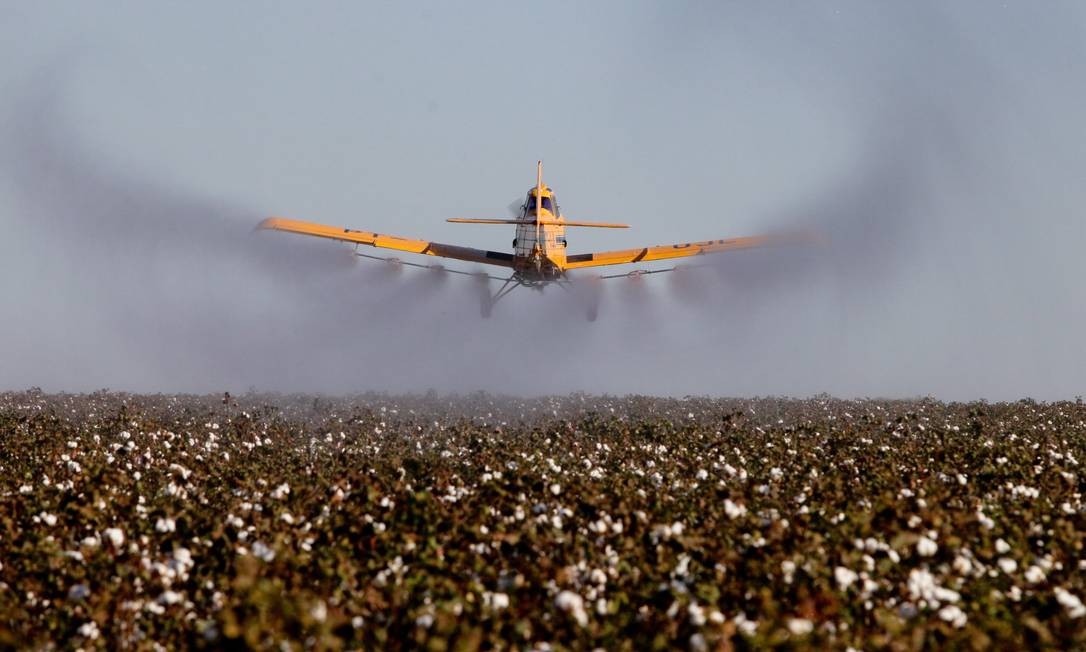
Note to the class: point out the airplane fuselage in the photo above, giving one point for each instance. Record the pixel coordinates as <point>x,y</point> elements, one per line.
<point>539,250</point>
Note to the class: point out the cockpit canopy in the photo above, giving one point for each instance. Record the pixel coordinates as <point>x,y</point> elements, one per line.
<point>549,203</point>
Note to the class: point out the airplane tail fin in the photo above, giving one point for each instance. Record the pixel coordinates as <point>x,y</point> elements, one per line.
<point>538,196</point>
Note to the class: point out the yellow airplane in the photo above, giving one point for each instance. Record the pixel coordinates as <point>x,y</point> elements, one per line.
<point>539,255</point>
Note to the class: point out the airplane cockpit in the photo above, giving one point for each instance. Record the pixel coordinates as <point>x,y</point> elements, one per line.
<point>549,203</point>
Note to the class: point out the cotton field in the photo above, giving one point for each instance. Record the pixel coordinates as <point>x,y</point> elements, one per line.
<point>298,522</point>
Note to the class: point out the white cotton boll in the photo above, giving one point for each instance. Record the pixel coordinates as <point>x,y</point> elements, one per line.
<point>985,522</point>
<point>800,626</point>
<point>696,614</point>
<point>962,565</point>
<point>498,601</point>
<point>572,604</point>
<point>262,551</point>
<point>556,489</point>
<point>1071,602</point>
<point>183,556</point>
<point>697,643</point>
<point>925,547</point>
<point>115,536</point>
<point>164,525</point>
<point>702,474</point>
<point>845,577</point>
<point>788,569</point>
<point>185,473</point>
<point>597,576</point>
<point>953,615</point>
<point>1034,575</point>
<point>922,586</point>
<point>89,630</point>
<point>1002,547</point>
<point>745,626</point>
<point>1007,565</point>
<point>734,510</point>
<point>425,621</point>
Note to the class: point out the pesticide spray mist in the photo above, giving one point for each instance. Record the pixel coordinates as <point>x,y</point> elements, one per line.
<point>118,280</point>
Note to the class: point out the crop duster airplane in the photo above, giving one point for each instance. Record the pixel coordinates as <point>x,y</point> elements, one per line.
<point>539,255</point>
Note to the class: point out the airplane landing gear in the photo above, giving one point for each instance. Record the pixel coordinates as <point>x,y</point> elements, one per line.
<point>486,300</point>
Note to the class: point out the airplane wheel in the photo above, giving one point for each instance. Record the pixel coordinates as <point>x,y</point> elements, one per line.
<point>593,312</point>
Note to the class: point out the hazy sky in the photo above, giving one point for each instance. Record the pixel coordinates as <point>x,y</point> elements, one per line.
<point>940,145</point>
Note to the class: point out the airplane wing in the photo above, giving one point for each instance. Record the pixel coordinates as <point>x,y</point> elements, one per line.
<point>384,241</point>
<point>664,252</point>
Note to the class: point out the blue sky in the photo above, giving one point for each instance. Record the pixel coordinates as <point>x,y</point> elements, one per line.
<point>687,120</point>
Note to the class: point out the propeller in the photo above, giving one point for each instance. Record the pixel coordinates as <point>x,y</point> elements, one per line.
<point>516,208</point>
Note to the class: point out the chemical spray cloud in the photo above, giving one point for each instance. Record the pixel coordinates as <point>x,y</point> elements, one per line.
<point>164,289</point>
<point>140,285</point>
<point>854,235</point>
<point>147,287</point>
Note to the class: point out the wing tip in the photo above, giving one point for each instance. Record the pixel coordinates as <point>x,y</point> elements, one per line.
<point>274,224</point>
<point>266,224</point>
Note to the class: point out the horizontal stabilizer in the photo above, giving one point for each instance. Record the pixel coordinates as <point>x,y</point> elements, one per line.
<point>599,225</point>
